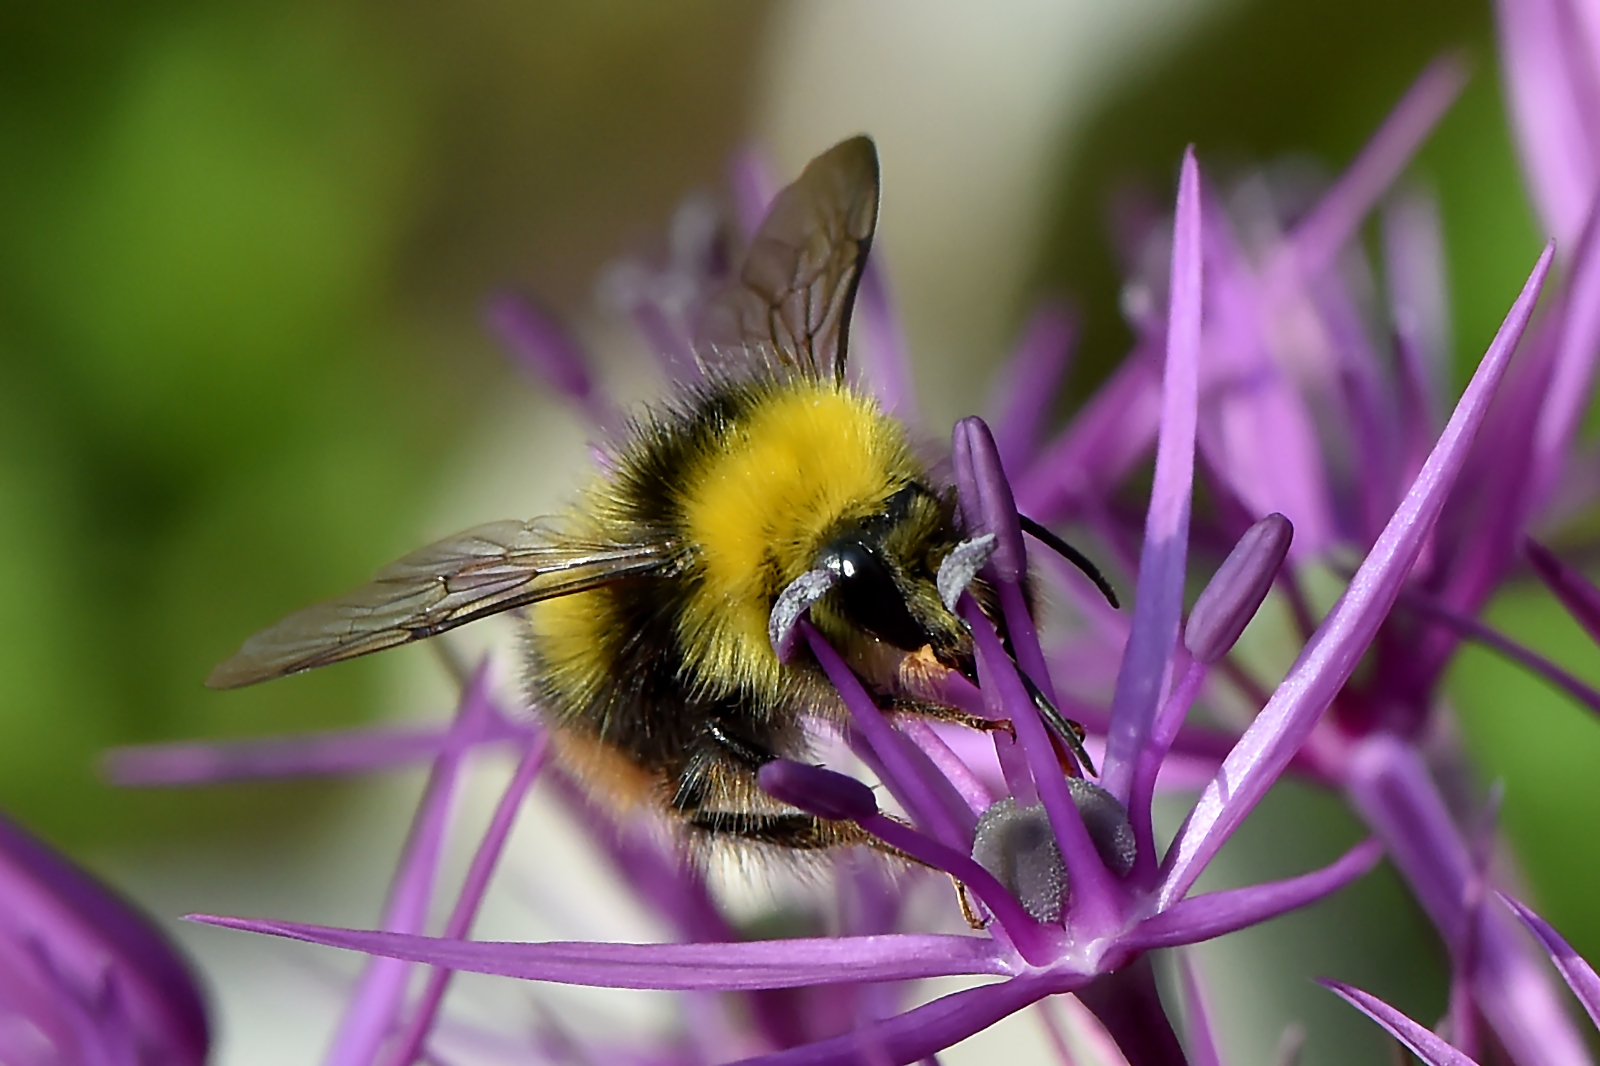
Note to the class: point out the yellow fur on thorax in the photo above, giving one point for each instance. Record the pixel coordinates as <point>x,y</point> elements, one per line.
<point>757,506</point>
<point>805,457</point>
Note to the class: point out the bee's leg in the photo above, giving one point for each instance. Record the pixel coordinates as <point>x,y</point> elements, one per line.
<point>802,832</point>
<point>968,912</point>
<point>955,716</point>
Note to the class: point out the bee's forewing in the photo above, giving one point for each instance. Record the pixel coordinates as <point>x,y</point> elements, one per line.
<point>483,571</point>
<point>791,304</point>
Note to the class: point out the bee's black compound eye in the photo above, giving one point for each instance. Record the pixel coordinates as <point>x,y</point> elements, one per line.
<point>867,592</point>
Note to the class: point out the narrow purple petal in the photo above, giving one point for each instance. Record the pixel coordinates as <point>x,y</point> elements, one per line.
<point>1329,227</point>
<point>1094,894</point>
<point>971,787</point>
<point>1572,376</point>
<point>986,501</point>
<point>1234,593</point>
<point>1481,526</point>
<point>1577,972</point>
<point>1189,921</point>
<point>1168,725</point>
<point>1392,790</point>
<point>354,751</point>
<point>918,1033</point>
<point>470,898</point>
<point>925,793</point>
<point>1202,1040</point>
<point>82,934</point>
<point>990,507</point>
<point>1328,660</point>
<point>372,1011</point>
<point>1497,641</point>
<point>1577,593</point>
<point>729,967</point>
<point>1258,433</point>
<point>1029,385</point>
<point>817,790</point>
<point>1158,601</point>
<point>1427,1047</point>
<point>1553,106</point>
<point>1018,926</point>
<point>549,354</point>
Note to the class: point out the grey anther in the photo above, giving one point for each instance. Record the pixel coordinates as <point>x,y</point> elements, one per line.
<point>1106,822</point>
<point>1018,846</point>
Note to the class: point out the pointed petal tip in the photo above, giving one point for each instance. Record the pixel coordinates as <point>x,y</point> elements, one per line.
<point>1423,1042</point>
<point>215,919</point>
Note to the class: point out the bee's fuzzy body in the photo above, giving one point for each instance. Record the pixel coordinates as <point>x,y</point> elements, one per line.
<point>648,603</point>
<point>746,480</point>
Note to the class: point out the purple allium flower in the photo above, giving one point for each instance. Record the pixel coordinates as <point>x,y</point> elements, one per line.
<point>1067,874</point>
<point>1433,1049</point>
<point>85,980</point>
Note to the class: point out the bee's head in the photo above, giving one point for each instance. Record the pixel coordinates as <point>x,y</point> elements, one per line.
<point>884,568</point>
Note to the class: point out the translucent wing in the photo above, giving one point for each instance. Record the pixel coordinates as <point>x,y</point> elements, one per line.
<point>796,288</point>
<point>483,571</point>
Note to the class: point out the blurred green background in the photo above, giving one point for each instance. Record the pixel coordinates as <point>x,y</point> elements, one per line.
<point>243,250</point>
<point>242,255</point>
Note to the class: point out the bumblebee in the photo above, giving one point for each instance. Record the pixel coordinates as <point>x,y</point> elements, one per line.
<point>648,605</point>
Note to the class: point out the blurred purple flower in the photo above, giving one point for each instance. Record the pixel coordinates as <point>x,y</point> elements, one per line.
<point>85,980</point>
<point>1550,60</point>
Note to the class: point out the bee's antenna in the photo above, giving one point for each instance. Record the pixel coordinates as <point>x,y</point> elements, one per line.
<point>1071,555</point>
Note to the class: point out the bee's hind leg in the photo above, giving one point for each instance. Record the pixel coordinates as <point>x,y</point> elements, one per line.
<point>803,832</point>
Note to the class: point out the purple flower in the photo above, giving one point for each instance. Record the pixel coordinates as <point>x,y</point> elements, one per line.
<point>85,980</point>
<point>1066,874</point>
<point>1302,413</point>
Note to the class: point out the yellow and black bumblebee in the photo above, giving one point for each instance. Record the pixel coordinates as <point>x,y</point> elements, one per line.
<point>649,604</point>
